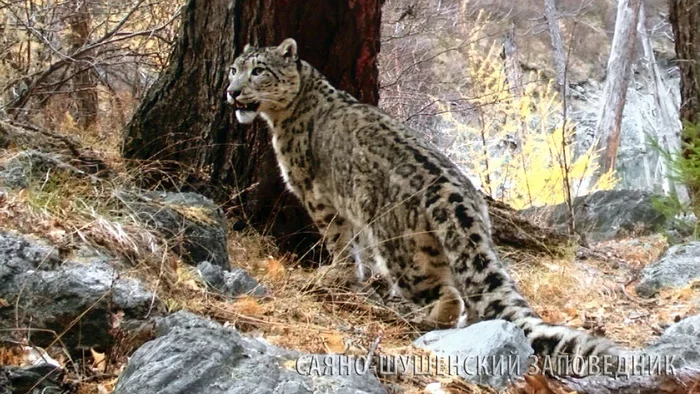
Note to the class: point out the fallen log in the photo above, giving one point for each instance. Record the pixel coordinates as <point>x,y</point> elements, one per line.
<point>511,229</point>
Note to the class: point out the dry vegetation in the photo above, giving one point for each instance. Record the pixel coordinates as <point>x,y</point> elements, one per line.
<point>302,311</point>
<point>592,289</point>
<point>63,63</point>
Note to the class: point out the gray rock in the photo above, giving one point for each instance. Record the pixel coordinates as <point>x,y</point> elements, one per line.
<point>34,379</point>
<point>230,283</point>
<point>55,295</point>
<point>678,266</point>
<point>5,384</point>
<point>19,171</point>
<point>184,320</point>
<point>679,344</point>
<point>195,226</point>
<point>479,346</point>
<point>604,215</point>
<point>19,254</point>
<point>688,326</point>
<point>194,355</point>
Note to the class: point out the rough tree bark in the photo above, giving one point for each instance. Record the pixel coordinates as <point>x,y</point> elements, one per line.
<point>185,124</point>
<point>685,20</point>
<point>84,82</point>
<point>516,231</point>
<point>616,83</point>
<point>552,17</point>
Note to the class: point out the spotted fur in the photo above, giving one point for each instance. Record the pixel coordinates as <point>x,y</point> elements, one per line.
<point>372,184</point>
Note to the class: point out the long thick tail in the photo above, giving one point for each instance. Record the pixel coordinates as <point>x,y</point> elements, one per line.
<point>490,293</point>
<point>545,338</point>
<point>565,350</point>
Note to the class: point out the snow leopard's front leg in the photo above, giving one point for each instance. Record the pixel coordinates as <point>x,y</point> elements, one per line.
<point>338,237</point>
<point>336,231</point>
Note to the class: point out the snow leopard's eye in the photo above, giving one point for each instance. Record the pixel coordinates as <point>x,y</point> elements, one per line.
<point>234,70</point>
<point>257,71</point>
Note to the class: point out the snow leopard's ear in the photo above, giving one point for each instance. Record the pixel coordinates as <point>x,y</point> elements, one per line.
<point>288,49</point>
<point>248,49</point>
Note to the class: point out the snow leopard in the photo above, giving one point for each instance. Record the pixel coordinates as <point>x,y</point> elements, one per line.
<point>378,190</point>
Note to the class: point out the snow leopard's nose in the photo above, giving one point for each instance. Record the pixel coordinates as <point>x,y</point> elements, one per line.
<point>233,92</point>
<point>231,95</point>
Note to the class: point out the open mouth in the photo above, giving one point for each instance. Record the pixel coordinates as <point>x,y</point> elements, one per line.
<point>245,113</point>
<point>252,107</point>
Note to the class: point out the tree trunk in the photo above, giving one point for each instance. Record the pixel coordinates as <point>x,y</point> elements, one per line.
<point>514,75</point>
<point>616,83</point>
<point>514,72</point>
<point>84,82</point>
<point>185,124</point>
<point>560,63</point>
<point>552,17</point>
<point>685,20</point>
<point>666,121</point>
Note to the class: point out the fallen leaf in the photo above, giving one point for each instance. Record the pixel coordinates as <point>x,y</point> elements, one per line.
<point>98,360</point>
<point>274,268</point>
<point>333,343</point>
<point>571,312</point>
<point>249,306</point>
<point>117,319</point>
<point>290,364</point>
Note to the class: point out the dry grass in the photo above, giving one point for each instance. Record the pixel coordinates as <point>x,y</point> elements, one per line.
<point>297,314</point>
<point>598,292</point>
<point>70,211</point>
<point>301,311</point>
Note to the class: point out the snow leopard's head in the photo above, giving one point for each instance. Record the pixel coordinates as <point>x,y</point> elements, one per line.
<point>264,80</point>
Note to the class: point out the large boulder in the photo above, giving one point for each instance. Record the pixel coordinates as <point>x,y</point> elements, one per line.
<point>479,347</point>
<point>679,345</point>
<point>604,215</point>
<point>78,296</point>
<point>678,266</point>
<point>194,355</point>
<point>194,226</point>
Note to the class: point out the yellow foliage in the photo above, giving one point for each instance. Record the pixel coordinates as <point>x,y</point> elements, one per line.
<point>520,147</point>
